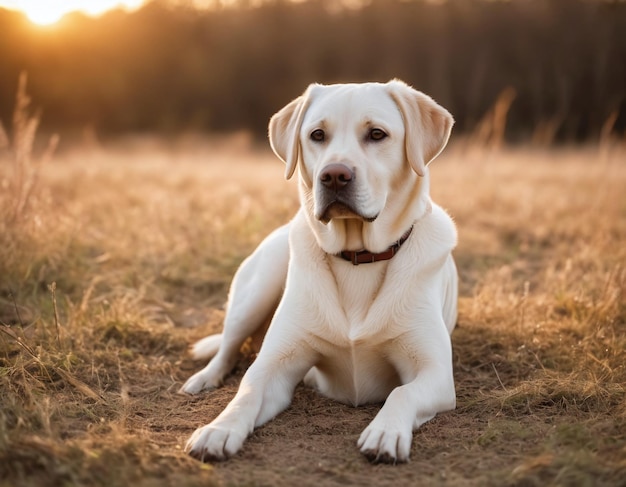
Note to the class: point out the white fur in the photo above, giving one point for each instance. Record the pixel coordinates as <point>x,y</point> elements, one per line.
<point>359,334</point>
<point>206,348</point>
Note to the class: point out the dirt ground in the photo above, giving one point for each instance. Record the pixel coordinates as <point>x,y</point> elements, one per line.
<point>141,244</point>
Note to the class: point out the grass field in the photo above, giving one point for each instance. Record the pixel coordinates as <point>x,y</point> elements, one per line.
<point>141,243</point>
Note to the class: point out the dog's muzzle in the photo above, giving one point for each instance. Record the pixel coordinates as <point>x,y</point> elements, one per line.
<point>336,195</point>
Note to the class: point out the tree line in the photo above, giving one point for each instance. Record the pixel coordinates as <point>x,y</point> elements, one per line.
<point>556,66</point>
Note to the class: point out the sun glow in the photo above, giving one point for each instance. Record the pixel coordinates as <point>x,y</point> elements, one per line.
<point>48,12</point>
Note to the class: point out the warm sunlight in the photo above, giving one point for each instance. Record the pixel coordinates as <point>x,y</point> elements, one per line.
<point>47,12</point>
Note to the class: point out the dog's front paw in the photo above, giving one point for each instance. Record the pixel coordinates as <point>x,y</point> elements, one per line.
<point>214,443</point>
<point>385,444</point>
<point>199,382</point>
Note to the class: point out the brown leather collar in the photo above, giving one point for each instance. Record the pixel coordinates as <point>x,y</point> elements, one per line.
<point>365,256</point>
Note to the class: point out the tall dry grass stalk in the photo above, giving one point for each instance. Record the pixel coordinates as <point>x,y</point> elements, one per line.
<point>491,129</point>
<point>19,169</point>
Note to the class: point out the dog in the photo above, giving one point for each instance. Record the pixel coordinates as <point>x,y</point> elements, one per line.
<point>361,286</point>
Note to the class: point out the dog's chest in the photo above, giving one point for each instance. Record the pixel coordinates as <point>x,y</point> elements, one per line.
<point>358,287</point>
<point>354,367</point>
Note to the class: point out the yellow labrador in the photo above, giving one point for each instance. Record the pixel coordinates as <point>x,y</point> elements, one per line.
<point>361,283</point>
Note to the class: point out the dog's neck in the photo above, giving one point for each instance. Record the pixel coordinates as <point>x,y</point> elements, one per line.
<point>353,231</point>
<point>367,257</point>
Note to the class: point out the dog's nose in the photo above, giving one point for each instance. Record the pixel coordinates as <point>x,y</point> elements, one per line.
<point>336,176</point>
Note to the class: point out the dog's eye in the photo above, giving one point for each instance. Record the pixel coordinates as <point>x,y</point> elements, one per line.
<point>318,135</point>
<point>376,135</point>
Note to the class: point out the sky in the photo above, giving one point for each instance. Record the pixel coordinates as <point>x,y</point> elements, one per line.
<point>47,12</point>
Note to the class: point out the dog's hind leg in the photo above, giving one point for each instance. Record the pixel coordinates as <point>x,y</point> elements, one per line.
<point>254,294</point>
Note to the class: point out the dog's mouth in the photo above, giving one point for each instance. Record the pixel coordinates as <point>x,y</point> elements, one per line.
<point>337,209</point>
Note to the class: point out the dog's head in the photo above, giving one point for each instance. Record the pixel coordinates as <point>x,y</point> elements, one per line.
<point>361,150</point>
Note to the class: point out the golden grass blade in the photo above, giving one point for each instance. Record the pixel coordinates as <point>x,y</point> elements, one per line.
<point>78,384</point>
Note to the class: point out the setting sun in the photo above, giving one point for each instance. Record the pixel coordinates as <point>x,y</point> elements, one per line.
<point>47,12</point>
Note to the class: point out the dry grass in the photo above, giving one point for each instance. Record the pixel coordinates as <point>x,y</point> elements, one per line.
<point>21,169</point>
<point>142,243</point>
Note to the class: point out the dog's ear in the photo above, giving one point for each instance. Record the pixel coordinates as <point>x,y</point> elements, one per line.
<point>427,125</point>
<point>284,131</point>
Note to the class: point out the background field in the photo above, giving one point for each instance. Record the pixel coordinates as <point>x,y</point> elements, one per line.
<point>141,241</point>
